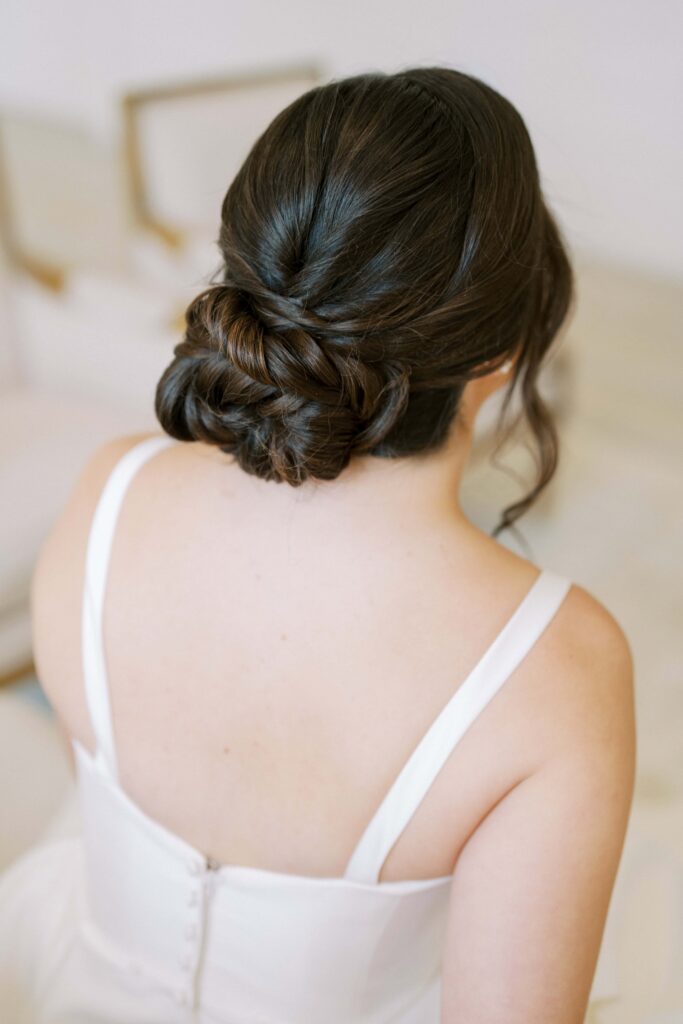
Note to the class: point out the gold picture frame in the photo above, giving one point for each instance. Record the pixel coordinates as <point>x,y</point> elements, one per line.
<point>137,103</point>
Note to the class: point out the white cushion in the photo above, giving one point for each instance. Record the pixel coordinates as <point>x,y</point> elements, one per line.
<point>45,440</point>
<point>34,774</point>
<point>96,343</point>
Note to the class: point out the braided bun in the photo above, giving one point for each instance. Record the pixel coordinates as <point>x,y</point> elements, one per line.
<point>286,405</point>
<point>384,242</point>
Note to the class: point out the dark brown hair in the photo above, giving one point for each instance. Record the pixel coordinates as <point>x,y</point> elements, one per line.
<point>384,241</point>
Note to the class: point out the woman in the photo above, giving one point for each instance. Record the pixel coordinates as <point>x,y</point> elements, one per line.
<point>301,802</point>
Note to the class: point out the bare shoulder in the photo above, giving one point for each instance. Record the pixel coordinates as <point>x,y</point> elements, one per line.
<point>599,662</point>
<point>595,628</point>
<point>582,687</point>
<point>532,885</point>
<point>86,491</point>
<point>573,695</point>
<point>578,683</point>
<point>584,657</point>
<point>57,578</point>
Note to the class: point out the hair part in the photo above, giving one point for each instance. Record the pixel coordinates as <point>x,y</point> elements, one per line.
<point>385,241</point>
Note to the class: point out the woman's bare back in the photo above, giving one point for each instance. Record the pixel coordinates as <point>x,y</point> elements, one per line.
<point>272,667</point>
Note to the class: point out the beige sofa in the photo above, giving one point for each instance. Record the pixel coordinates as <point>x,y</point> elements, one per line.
<point>77,367</point>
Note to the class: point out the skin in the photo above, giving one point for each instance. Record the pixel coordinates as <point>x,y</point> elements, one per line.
<point>280,651</point>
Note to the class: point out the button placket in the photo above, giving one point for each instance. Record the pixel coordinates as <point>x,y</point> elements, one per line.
<point>188,957</point>
<point>202,878</point>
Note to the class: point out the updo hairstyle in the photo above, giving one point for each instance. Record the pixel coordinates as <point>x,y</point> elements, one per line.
<point>385,241</point>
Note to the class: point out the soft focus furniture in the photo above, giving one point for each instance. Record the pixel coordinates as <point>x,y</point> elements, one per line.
<point>93,284</point>
<point>79,367</point>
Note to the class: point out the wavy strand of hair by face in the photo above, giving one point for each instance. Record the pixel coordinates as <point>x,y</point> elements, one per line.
<point>385,241</point>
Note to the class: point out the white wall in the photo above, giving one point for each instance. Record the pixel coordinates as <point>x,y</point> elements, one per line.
<point>597,81</point>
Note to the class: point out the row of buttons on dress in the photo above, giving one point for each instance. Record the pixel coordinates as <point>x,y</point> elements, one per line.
<point>203,871</point>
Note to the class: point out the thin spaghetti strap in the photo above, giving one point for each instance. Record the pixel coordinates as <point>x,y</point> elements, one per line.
<point>96,565</point>
<point>502,657</point>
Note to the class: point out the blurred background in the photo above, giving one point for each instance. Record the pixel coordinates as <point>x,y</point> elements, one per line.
<point>121,126</point>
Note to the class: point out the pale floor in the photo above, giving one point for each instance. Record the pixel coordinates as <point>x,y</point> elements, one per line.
<point>611,522</point>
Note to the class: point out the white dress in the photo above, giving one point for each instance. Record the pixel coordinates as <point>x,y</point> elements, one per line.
<point>130,923</point>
